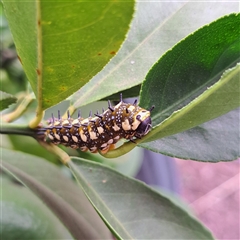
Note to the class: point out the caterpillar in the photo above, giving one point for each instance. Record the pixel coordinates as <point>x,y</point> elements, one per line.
<point>101,132</point>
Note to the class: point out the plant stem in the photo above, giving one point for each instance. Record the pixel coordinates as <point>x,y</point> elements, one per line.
<point>17,129</point>
<point>63,156</point>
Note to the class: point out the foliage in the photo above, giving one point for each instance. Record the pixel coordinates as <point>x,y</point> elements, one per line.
<point>194,84</point>
<point>6,100</point>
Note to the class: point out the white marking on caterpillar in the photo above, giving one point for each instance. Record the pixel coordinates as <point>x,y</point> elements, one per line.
<point>57,136</point>
<point>126,125</point>
<point>93,135</point>
<point>65,138</point>
<point>83,136</point>
<point>50,137</point>
<point>116,127</point>
<point>117,137</point>
<point>75,139</point>
<point>104,145</point>
<point>100,130</point>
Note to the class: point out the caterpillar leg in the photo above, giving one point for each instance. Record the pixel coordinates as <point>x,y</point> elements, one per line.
<point>106,149</point>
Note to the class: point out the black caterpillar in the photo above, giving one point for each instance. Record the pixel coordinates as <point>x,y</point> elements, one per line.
<point>101,132</point>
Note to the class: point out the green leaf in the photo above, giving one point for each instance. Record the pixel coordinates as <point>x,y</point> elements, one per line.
<point>213,141</point>
<point>21,219</point>
<point>63,44</point>
<point>19,143</point>
<point>183,73</point>
<point>128,93</point>
<point>58,192</point>
<point>167,24</point>
<point>6,100</point>
<point>192,66</point>
<point>131,209</point>
<point>217,100</point>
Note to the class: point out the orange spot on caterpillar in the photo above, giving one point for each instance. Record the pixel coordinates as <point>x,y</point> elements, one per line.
<point>113,52</point>
<point>99,54</point>
<point>39,22</point>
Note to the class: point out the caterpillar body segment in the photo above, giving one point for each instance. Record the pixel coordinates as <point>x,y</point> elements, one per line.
<point>101,131</point>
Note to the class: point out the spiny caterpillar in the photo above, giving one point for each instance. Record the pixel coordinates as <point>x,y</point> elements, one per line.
<point>101,132</point>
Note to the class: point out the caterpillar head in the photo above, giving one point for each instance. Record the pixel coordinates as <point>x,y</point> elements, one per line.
<point>144,123</point>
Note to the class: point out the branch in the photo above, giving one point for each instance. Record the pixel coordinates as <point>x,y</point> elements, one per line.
<point>17,129</point>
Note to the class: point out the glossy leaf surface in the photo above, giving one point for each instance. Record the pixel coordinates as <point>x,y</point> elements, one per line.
<point>63,44</point>
<point>21,219</point>
<point>192,67</point>
<point>213,141</point>
<point>6,100</point>
<point>157,27</point>
<point>217,100</point>
<point>58,192</point>
<point>131,209</point>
